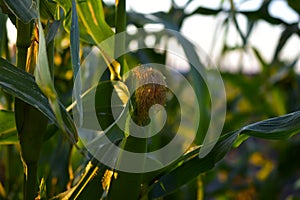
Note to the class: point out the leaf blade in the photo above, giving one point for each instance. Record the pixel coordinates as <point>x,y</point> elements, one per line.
<point>8,131</point>
<point>23,86</point>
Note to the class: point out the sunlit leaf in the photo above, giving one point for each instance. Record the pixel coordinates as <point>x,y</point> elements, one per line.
<point>92,15</point>
<point>91,20</point>
<point>44,78</point>
<point>8,131</point>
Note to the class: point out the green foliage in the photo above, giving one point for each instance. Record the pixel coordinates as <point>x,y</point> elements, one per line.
<point>8,131</point>
<point>243,163</point>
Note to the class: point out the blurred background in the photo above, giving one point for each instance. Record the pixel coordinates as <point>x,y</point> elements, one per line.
<point>256,46</point>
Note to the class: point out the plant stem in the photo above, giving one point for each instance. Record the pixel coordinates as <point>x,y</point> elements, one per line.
<point>120,27</point>
<point>30,178</point>
<point>29,134</point>
<point>23,43</point>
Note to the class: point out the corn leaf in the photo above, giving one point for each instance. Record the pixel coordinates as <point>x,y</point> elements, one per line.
<point>92,15</point>
<point>8,131</point>
<point>25,10</point>
<point>23,86</point>
<point>44,81</point>
<point>278,128</point>
<point>93,27</point>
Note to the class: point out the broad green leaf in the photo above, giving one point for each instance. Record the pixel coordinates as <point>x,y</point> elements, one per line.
<point>23,86</point>
<point>83,32</point>
<point>25,10</point>
<point>278,128</point>
<point>8,131</point>
<point>190,169</point>
<point>92,15</point>
<point>48,10</point>
<point>91,20</point>
<point>66,6</point>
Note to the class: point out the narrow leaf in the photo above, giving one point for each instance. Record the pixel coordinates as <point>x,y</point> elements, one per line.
<point>44,78</point>
<point>285,35</point>
<point>206,11</point>
<point>74,47</point>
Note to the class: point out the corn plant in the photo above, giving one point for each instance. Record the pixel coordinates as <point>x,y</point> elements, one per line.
<point>46,89</point>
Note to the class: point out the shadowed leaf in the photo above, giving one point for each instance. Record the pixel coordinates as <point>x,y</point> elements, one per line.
<point>23,86</point>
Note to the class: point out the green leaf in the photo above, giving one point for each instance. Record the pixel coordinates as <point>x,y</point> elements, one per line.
<point>206,11</point>
<point>74,37</point>
<point>92,15</point>
<point>84,35</point>
<point>90,186</point>
<point>44,78</point>
<point>8,131</point>
<point>285,35</point>
<point>25,10</point>
<point>199,84</point>
<point>93,27</point>
<point>260,58</point>
<point>278,128</point>
<point>23,86</point>
<point>47,10</point>
<point>262,14</point>
<point>3,19</point>
<point>51,31</point>
<point>74,48</point>
<point>191,168</point>
<point>103,107</point>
